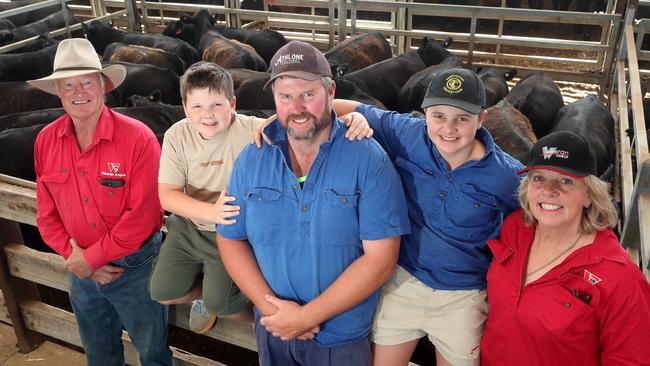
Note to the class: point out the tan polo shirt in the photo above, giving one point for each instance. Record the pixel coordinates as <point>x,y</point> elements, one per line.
<point>202,166</point>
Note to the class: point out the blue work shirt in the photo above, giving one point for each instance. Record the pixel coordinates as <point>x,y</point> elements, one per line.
<point>304,237</point>
<point>453,212</point>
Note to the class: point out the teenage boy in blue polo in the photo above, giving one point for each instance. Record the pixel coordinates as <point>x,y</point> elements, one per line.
<point>459,187</point>
<point>319,226</point>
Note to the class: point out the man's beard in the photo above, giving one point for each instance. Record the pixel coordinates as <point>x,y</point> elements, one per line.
<point>318,126</point>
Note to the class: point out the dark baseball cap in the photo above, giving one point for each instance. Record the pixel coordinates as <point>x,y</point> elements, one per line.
<point>565,152</point>
<point>456,87</point>
<point>300,60</point>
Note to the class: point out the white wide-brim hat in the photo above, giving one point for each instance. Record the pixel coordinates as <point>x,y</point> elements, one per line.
<point>76,57</point>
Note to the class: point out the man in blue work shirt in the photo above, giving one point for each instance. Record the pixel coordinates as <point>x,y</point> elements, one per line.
<point>459,187</point>
<point>319,226</point>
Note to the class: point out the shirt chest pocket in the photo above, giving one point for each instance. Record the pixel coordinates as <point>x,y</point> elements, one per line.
<point>56,183</point>
<point>472,209</point>
<point>568,318</point>
<point>340,219</point>
<point>264,216</point>
<point>112,198</point>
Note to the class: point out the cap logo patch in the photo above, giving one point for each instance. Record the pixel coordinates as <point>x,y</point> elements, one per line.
<point>454,84</point>
<point>549,152</point>
<point>291,58</point>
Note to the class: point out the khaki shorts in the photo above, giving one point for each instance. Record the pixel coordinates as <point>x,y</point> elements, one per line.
<point>453,320</point>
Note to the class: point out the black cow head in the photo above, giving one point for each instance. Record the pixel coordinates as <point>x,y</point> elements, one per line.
<point>510,74</point>
<point>144,100</point>
<point>6,37</point>
<point>340,70</point>
<point>431,52</point>
<point>185,18</point>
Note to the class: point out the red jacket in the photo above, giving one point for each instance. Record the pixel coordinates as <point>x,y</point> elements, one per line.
<point>110,222</point>
<point>544,323</point>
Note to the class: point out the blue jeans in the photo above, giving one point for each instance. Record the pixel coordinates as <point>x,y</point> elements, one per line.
<point>273,351</point>
<point>102,311</point>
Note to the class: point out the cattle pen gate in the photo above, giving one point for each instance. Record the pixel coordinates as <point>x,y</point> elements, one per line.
<point>607,61</point>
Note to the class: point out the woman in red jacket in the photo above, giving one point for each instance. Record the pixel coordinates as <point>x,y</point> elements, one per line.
<point>562,290</point>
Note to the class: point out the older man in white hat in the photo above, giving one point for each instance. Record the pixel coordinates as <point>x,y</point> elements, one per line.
<point>98,208</point>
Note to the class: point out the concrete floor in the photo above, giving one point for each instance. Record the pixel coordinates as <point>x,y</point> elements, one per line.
<point>47,354</point>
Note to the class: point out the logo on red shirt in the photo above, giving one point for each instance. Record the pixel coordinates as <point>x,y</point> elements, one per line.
<point>113,170</point>
<point>591,278</point>
<point>114,167</point>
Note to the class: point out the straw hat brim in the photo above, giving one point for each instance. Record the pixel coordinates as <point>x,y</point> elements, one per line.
<point>114,76</point>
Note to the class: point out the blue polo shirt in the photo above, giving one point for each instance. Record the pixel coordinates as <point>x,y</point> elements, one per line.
<point>453,212</point>
<point>304,237</point>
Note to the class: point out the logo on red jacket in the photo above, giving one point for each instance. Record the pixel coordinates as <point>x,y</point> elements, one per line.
<point>591,278</point>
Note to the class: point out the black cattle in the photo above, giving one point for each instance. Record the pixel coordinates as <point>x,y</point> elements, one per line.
<point>538,97</point>
<point>410,96</point>
<point>49,23</point>
<point>383,80</point>
<point>6,24</point>
<point>31,16</point>
<point>511,130</point>
<point>43,40</point>
<point>101,35</point>
<point>190,28</point>
<point>143,100</point>
<point>144,55</point>
<point>266,42</point>
<point>496,87</point>
<point>358,52</point>
<point>22,97</point>
<point>241,75</point>
<point>143,79</point>
<point>590,118</point>
<point>28,65</point>
<point>535,4</point>
<point>229,53</point>
<point>249,90</point>
<point>17,150</point>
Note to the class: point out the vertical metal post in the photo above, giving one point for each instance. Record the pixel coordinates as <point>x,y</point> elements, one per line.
<point>342,21</point>
<point>145,16</point>
<point>332,22</point>
<point>233,20</point>
<point>472,37</point>
<point>497,51</point>
<point>132,18</point>
<point>409,27</point>
<point>640,34</point>
<point>98,8</point>
<point>605,33</point>
<point>353,17</point>
<point>66,18</point>
<point>399,24</point>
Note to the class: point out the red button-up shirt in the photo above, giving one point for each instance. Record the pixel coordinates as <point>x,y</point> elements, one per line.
<point>544,323</point>
<point>110,222</point>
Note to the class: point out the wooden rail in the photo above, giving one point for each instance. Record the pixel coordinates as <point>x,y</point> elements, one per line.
<point>18,204</point>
